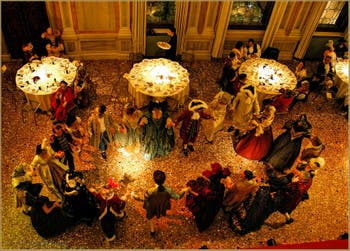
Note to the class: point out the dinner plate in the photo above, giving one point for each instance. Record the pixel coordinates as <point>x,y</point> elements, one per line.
<point>163,45</point>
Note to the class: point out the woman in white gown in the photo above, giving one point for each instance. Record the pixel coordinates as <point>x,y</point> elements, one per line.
<point>50,169</point>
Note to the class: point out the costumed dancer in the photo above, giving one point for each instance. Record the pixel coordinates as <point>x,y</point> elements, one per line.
<point>22,183</point>
<point>286,147</point>
<point>79,134</point>
<point>156,200</point>
<point>61,142</point>
<point>79,202</point>
<point>244,106</point>
<point>47,217</point>
<point>229,73</point>
<point>217,109</point>
<point>236,193</point>
<point>157,137</point>
<point>102,129</point>
<point>111,208</point>
<point>50,169</point>
<point>256,143</point>
<point>251,214</point>
<point>206,195</point>
<point>299,187</point>
<point>313,149</point>
<point>191,121</point>
<point>129,133</point>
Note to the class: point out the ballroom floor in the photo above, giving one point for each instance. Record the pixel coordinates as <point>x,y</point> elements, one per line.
<point>323,217</point>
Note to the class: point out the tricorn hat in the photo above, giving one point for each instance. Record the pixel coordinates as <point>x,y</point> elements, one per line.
<point>316,163</point>
<point>197,104</point>
<point>248,175</point>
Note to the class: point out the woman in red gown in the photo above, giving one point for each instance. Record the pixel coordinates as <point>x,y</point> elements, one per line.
<point>256,143</point>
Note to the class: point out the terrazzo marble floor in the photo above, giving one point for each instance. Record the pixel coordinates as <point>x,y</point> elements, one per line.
<point>323,217</point>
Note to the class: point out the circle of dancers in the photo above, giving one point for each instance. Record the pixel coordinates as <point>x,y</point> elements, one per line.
<point>247,201</point>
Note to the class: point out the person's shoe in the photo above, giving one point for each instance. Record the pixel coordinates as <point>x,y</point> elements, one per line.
<point>230,129</point>
<point>26,212</point>
<point>104,156</point>
<point>190,147</point>
<point>111,239</point>
<point>236,133</point>
<point>123,217</point>
<point>186,152</point>
<point>289,221</point>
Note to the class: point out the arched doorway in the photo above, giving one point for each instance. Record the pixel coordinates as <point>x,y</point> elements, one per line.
<point>21,22</point>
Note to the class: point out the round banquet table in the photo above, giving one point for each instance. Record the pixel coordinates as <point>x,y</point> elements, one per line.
<point>158,79</point>
<point>39,80</point>
<point>341,80</point>
<point>269,76</point>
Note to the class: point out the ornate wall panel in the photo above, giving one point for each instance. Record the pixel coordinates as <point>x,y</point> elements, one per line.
<point>125,45</point>
<point>113,29</point>
<point>71,46</point>
<point>202,17</point>
<point>96,16</point>
<point>98,45</point>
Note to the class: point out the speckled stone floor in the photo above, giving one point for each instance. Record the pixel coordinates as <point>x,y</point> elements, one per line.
<point>323,217</point>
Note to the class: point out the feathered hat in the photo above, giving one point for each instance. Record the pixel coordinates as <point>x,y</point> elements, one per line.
<point>197,104</point>
<point>19,175</point>
<point>316,163</point>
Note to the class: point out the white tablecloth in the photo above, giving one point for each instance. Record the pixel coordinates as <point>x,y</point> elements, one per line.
<point>269,76</point>
<point>341,80</point>
<point>158,79</point>
<point>39,80</point>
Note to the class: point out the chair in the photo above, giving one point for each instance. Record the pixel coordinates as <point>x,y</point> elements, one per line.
<point>116,96</point>
<point>271,53</point>
<point>9,84</point>
<point>187,60</point>
<point>32,107</point>
<point>135,58</point>
<point>74,111</point>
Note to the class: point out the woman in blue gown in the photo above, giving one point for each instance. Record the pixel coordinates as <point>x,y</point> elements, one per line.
<point>286,147</point>
<point>157,136</point>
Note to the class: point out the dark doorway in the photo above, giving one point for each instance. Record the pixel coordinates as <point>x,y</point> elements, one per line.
<point>22,22</point>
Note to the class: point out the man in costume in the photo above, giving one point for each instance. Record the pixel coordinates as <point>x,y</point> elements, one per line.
<point>191,120</point>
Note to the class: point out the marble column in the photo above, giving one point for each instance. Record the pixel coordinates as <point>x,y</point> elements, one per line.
<point>310,27</point>
<point>221,29</point>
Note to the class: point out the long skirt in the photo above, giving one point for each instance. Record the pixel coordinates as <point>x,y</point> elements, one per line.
<point>254,147</point>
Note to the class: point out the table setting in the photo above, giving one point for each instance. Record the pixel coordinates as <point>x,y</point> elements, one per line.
<point>269,76</point>
<point>158,78</point>
<point>40,79</point>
